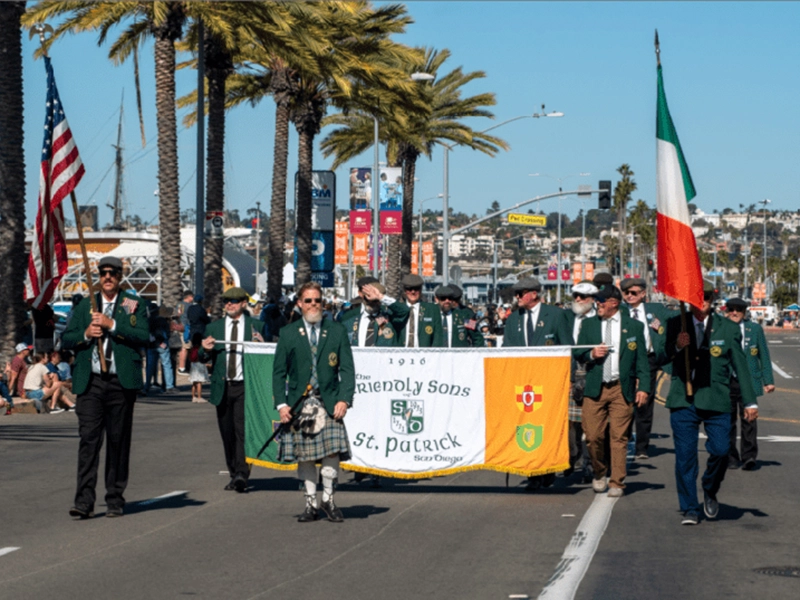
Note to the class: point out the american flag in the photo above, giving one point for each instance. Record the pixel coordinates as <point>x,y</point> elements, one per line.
<point>61,170</point>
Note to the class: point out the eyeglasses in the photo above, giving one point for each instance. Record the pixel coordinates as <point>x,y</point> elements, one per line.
<point>312,300</point>
<point>632,292</point>
<point>109,272</point>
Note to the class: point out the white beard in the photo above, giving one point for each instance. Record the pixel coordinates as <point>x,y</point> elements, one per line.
<point>580,309</point>
<point>313,317</point>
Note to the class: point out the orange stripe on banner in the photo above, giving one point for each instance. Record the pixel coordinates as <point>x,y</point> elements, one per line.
<point>526,414</point>
<point>679,274</point>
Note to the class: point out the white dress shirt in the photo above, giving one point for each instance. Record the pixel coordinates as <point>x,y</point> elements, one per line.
<point>111,367</point>
<point>534,315</point>
<point>238,350</point>
<point>579,319</point>
<point>641,316</point>
<point>616,336</point>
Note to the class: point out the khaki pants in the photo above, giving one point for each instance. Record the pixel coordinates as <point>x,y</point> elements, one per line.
<point>611,410</point>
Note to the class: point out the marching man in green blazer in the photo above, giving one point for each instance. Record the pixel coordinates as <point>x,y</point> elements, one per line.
<point>227,379</point>
<point>617,376</point>
<point>120,330</point>
<point>714,347</point>
<point>756,351</point>
<point>313,383</point>
<point>377,320</point>
<point>423,328</point>
<point>456,333</point>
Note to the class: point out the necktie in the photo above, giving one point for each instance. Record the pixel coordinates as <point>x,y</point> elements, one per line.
<point>635,314</point>
<point>530,329</point>
<point>608,341</point>
<point>232,351</point>
<point>313,382</point>
<point>701,332</point>
<point>108,310</point>
<point>370,339</point>
<point>412,329</point>
<point>445,330</point>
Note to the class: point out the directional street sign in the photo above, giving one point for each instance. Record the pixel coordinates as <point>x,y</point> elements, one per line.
<point>530,220</point>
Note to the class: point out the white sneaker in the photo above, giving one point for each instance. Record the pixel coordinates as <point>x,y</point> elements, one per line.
<point>599,485</point>
<point>55,411</point>
<point>615,492</point>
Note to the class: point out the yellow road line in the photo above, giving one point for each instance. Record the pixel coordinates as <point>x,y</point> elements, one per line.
<point>787,391</point>
<point>778,420</point>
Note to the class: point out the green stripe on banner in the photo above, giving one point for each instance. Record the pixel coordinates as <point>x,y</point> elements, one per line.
<point>260,415</point>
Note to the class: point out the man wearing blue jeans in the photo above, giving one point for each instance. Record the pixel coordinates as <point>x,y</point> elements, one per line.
<point>701,394</point>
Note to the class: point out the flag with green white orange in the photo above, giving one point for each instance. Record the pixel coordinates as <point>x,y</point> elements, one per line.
<point>679,273</point>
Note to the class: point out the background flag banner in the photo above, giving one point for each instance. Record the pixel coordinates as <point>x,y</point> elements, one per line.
<point>423,412</point>
<point>679,273</point>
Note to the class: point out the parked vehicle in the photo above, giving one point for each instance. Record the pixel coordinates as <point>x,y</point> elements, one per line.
<point>764,315</point>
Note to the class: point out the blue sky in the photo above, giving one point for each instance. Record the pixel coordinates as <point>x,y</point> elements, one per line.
<point>731,71</point>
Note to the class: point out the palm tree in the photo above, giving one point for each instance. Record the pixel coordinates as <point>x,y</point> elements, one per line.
<point>622,195</point>
<point>412,129</point>
<point>12,178</point>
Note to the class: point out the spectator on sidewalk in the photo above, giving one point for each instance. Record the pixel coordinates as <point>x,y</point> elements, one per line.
<point>59,366</point>
<point>40,385</point>
<point>19,369</point>
<point>198,374</point>
<point>183,328</point>
<point>5,394</point>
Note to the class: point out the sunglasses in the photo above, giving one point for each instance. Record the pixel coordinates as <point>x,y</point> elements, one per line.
<point>233,301</point>
<point>109,272</point>
<point>312,300</point>
<point>414,289</point>
<point>632,292</point>
<point>740,310</point>
<point>581,296</point>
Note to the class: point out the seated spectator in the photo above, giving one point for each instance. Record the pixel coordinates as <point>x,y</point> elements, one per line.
<point>41,385</point>
<point>7,402</point>
<point>19,369</point>
<point>59,366</point>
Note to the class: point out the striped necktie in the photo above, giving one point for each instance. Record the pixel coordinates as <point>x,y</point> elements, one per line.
<point>314,381</point>
<point>608,341</point>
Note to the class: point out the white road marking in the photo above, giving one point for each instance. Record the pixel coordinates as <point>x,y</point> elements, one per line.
<point>776,341</point>
<point>765,438</point>
<point>563,585</point>
<point>780,371</point>
<point>164,497</point>
<point>7,550</point>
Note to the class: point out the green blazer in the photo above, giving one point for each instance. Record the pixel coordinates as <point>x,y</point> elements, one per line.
<point>393,317</point>
<point>657,316</point>
<point>758,358</point>
<point>553,328</point>
<point>714,363</point>
<point>218,355</point>
<point>634,368</point>
<point>461,336</point>
<point>428,327</point>
<point>130,337</point>
<point>291,370</point>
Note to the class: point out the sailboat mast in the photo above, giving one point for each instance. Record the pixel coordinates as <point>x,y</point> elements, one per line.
<point>119,210</point>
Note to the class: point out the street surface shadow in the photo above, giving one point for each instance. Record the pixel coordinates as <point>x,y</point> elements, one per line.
<point>655,451</point>
<point>632,487</point>
<point>39,433</point>
<point>173,502</point>
<point>273,484</point>
<point>734,513</point>
<point>767,463</point>
<point>363,511</point>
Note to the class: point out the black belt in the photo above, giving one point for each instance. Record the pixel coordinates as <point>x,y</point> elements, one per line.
<point>611,383</point>
<point>234,382</point>
<point>105,376</point>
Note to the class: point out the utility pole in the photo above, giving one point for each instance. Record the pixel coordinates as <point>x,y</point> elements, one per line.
<point>258,241</point>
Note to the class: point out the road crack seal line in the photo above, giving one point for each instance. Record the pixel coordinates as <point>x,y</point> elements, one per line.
<point>356,547</point>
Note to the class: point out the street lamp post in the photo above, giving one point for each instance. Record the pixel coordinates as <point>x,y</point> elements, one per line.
<point>765,201</point>
<point>446,190</point>
<point>558,253</point>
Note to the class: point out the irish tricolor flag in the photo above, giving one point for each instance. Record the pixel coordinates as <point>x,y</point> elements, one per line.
<point>679,274</point>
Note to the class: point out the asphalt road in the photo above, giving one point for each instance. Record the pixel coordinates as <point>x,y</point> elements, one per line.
<point>463,536</point>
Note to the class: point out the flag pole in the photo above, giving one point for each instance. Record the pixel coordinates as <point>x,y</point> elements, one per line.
<point>689,389</point>
<point>41,29</point>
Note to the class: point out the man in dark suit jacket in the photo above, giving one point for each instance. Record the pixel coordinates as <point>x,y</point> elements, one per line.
<point>314,374</point>
<point>376,320</point>
<point>424,319</point>
<point>617,375</point>
<point>535,324</point>
<point>227,379</point>
<point>105,398</point>
<point>458,330</point>
<point>756,350</point>
<point>714,347</point>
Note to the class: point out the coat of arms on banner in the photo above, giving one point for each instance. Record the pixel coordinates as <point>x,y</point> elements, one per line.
<point>408,416</point>
<point>529,437</point>
<point>529,398</point>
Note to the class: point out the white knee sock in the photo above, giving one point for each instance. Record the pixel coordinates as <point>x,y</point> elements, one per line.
<point>329,471</point>
<point>307,472</point>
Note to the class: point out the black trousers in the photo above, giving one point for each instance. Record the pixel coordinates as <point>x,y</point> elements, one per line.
<point>105,408</point>
<point>643,415</point>
<point>749,430</point>
<point>230,418</point>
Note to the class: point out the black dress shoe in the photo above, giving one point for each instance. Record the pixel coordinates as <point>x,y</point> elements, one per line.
<point>534,483</point>
<point>113,512</point>
<point>710,506</point>
<point>548,480</point>
<point>240,484</point>
<point>332,511</point>
<point>79,513</point>
<point>734,463</point>
<point>229,487</point>
<point>309,514</point>
<point>749,465</point>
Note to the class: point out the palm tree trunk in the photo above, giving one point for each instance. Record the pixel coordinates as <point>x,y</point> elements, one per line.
<point>12,180</point>
<point>277,217</point>
<point>305,166</point>
<point>215,197</point>
<point>169,224</point>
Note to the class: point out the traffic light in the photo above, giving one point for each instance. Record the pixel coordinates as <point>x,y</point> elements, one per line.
<point>604,198</point>
<point>650,264</point>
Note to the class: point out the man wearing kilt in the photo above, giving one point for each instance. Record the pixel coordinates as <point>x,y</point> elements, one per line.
<point>313,382</point>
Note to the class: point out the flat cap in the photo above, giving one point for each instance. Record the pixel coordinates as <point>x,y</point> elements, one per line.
<point>587,288</point>
<point>736,303</point>
<point>633,281</point>
<point>236,294</point>
<point>457,291</point>
<point>708,287</point>
<point>110,261</point>
<point>603,279</point>
<point>445,292</point>
<point>527,284</point>
<point>412,281</point>
<point>366,280</point>
<point>607,292</point>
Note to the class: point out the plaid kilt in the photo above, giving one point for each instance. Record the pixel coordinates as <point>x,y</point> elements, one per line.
<point>297,446</point>
<point>576,394</point>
